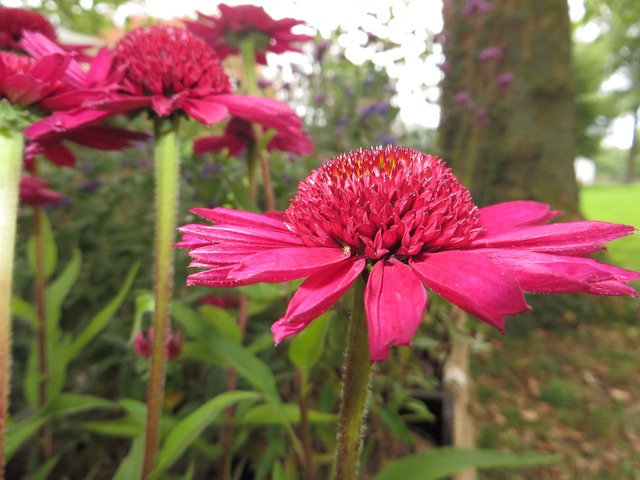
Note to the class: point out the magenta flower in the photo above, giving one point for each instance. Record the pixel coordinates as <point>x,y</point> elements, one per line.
<point>142,344</point>
<point>164,70</point>
<point>238,134</point>
<point>400,219</point>
<point>26,81</point>
<point>14,21</point>
<point>34,191</point>
<point>224,33</point>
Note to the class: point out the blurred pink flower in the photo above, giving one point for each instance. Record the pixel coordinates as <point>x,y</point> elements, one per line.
<point>235,23</point>
<point>165,71</point>
<point>400,220</point>
<point>143,344</point>
<point>238,134</point>
<point>14,21</point>
<point>35,192</point>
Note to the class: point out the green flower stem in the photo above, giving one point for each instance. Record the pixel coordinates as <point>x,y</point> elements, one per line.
<point>46,441</point>
<point>257,153</point>
<point>11,146</point>
<point>355,391</point>
<point>167,169</point>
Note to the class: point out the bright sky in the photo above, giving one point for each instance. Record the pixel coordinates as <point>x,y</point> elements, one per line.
<point>417,90</point>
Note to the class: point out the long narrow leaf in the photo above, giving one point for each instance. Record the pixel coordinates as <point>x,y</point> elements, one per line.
<point>100,320</point>
<point>441,462</point>
<point>189,428</point>
<point>131,466</point>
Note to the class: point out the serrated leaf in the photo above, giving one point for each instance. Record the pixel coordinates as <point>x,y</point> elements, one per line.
<point>440,463</point>
<point>189,428</point>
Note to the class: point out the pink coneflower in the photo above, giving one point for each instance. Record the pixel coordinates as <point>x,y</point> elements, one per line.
<point>26,81</point>
<point>15,21</point>
<point>401,220</point>
<point>238,135</point>
<point>166,71</point>
<point>35,192</point>
<point>226,32</point>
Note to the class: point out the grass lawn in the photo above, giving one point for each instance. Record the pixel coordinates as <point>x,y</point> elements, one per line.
<point>572,390</point>
<point>617,204</point>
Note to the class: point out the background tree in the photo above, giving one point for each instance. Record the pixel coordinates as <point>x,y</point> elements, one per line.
<point>619,21</point>
<point>508,126</point>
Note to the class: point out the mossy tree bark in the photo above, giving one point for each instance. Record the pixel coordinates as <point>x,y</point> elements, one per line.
<point>507,101</point>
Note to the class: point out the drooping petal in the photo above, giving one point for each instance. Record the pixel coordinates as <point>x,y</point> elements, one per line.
<point>286,264</point>
<point>545,273</point>
<point>239,217</point>
<point>571,238</point>
<point>216,278</point>
<point>394,300</point>
<point>316,295</point>
<point>266,111</point>
<point>473,283</point>
<point>207,111</point>
<point>515,214</point>
<point>238,234</point>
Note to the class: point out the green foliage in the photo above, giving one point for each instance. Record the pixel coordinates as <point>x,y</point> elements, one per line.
<point>443,462</point>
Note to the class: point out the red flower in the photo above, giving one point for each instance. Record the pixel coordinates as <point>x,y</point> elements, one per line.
<point>34,191</point>
<point>238,134</point>
<point>165,70</point>
<point>143,344</point>
<point>26,81</point>
<point>401,220</point>
<point>14,21</point>
<point>224,33</point>
<point>60,84</point>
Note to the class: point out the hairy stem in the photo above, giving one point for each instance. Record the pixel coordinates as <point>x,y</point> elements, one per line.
<point>167,169</point>
<point>11,145</point>
<point>356,382</point>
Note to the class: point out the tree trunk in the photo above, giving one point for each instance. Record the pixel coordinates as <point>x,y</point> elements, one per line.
<point>507,126</point>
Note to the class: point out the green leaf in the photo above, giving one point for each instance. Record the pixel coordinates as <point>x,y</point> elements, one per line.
<point>224,323</point>
<point>66,404</point>
<point>70,403</point>
<point>308,345</point>
<point>270,414</point>
<point>392,419</point>
<point>100,320</point>
<point>144,303</point>
<point>50,248</point>
<point>131,466</point>
<point>241,196</point>
<point>58,290</point>
<point>119,427</point>
<point>442,462</point>
<point>189,428</point>
<point>18,433</point>
<point>45,470</point>
<point>22,308</point>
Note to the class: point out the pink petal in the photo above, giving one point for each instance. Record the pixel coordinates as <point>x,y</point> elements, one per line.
<point>541,272</point>
<point>394,300</point>
<point>284,264</point>
<point>205,111</point>
<point>233,234</point>
<point>266,111</point>
<point>570,238</point>
<point>239,217</point>
<point>216,143</point>
<point>473,283</point>
<point>515,214</point>
<point>216,278</point>
<point>316,295</point>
